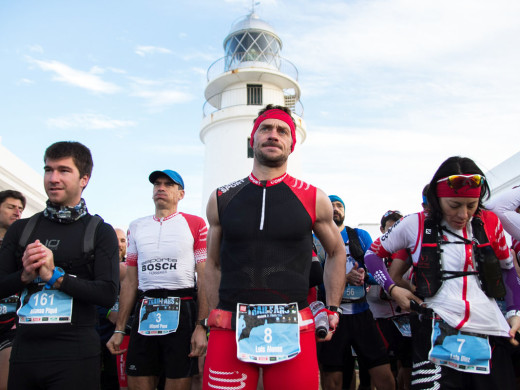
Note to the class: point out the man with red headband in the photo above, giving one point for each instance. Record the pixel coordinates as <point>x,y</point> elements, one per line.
<point>259,257</point>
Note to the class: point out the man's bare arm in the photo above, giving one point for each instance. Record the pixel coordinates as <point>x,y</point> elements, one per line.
<point>212,270</point>
<point>330,238</point>
<point>199,341</point>
<point>126,301</point>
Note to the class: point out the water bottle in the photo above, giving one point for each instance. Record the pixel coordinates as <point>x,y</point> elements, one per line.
<point>321,319</point>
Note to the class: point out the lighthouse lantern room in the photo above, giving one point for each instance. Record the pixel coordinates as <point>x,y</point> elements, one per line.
<point>251,75</point>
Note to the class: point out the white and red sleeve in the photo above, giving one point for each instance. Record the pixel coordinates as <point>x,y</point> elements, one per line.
<point>497,239</point>
<point>404,234</point>
<point>131,248</point>
<point>199,231</point>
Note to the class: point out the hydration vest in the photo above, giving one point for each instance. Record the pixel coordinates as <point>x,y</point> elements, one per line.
<point>428,272</point>
<point>354,245</point>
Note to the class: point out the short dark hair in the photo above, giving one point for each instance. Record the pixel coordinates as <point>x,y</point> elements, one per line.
<point>80,155</point>
<point>12,194</point>
<point>455,165</point>
<point>425,189</point>
<point>276,107</point>
<point>394,216</point>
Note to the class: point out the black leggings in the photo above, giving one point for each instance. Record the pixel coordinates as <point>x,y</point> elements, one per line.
<point>80,374</point>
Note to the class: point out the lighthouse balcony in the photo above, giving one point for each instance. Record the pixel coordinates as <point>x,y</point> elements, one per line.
<point>252,96</point>
<point>250,59</point>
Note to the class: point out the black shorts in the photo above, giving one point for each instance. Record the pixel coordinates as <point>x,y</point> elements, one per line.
<point>168,354</point>
<point>358,331</point>
<point>81,374</point>
<point>6,339</point>
<point>398,346</point>
<point>427,375</point>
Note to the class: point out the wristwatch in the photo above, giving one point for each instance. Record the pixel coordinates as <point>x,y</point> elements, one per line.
<point>203,323</point>
<point>57,273</point>
<point>335,309</point>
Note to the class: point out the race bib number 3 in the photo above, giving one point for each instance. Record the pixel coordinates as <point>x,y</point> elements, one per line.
<point>159,316</point>
<point>45,307</point>
<point>267,333</point>
<point>458,350</point>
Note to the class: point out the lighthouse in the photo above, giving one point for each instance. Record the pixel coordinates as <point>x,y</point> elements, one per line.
<point>251,75</point>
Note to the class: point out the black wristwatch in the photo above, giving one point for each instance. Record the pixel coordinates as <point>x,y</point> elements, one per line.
<point>335,309</point>
<point>203,323</point>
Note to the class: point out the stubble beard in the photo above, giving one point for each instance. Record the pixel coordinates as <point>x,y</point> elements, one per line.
<point>271,162</point>
<point>338,220</point>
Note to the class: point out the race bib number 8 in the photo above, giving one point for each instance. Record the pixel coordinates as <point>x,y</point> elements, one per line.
<point>267,333</point>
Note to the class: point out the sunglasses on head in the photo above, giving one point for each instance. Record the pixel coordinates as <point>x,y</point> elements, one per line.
<point>391,212</point>
<point>458,181</point>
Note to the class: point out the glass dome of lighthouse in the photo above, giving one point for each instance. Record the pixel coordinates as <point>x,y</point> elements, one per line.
<point>252,40</point>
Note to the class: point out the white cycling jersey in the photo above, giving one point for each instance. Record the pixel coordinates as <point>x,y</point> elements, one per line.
<point>165,251</point>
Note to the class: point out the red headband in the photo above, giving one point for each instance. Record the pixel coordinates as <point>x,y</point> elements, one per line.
<point>445,191</point>
<point>275,113</point>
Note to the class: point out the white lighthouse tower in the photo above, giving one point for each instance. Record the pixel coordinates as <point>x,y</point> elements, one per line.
<point>251,75</point>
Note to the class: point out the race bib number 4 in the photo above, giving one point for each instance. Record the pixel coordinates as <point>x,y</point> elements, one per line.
<point>459,350</point>
<point>45,307</point>
<point>159,316</point>
<point>267,334</point>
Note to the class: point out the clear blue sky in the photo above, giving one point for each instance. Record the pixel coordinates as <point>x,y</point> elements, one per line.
<point>390,89</point>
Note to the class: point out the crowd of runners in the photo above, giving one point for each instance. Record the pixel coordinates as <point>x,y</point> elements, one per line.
<point>275,292</point>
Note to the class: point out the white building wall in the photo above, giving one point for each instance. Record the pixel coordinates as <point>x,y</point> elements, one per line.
<point>225,134</point>
<point>505,175</point>
<point>17,175</point>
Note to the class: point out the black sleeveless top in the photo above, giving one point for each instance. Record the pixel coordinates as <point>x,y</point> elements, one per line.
<point>266,247</point>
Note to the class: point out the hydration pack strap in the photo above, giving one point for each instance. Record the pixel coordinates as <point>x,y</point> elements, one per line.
<point>28,229</point>
<point>457,274</point>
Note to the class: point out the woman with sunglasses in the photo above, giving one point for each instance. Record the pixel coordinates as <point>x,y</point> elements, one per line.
<point>462,267</point>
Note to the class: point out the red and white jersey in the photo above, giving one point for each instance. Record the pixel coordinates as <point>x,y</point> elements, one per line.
<point>165,251</point>
<point>460,301</point>
<point>504,206</point>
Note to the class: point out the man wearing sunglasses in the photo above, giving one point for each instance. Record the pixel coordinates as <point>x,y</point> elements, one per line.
<point>357,327</point>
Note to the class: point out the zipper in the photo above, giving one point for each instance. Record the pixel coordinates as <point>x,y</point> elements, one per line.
<point>262,217</point>
<point>160,232</point>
